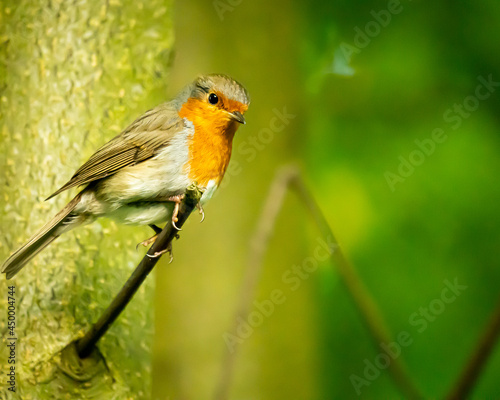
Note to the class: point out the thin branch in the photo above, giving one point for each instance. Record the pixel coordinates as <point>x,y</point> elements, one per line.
<point>289,177</point>
<point>366,304</point>
<point>85,345</point>
<point>478,359</point>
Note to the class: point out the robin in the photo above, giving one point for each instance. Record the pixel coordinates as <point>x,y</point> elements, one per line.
<point>141,175</point>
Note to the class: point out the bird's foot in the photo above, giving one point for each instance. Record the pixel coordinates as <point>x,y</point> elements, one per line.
<point>159,253</point>
<point>152,239</point>
<point>177,200</point>
<point>147,242</point>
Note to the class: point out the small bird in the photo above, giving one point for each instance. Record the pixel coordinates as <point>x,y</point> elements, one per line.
<point>141,175</point>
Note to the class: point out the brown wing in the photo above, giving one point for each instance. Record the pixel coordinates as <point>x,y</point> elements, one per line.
<point>140,141</point>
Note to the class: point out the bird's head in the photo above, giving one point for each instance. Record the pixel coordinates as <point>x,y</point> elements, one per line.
<point>215,100</point>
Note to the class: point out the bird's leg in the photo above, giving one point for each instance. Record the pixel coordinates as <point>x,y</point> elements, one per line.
<point>159,253</point>
<point>155,228</point>
<point>152,239</point>
<point>177,200</point>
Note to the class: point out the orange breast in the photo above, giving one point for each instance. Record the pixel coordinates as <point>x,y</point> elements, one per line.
<point>211,145</point>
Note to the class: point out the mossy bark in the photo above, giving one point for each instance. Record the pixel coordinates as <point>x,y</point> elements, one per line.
<point>72,75</point>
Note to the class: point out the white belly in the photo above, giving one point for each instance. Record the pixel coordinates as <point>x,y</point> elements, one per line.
<point>143,214</point>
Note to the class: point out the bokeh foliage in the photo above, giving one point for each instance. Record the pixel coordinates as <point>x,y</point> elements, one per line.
<point>440,223</point>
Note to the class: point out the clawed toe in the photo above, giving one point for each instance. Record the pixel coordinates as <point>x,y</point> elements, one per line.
<point>159,253</point>
<point>202,212</point>
<point>147,242</point>
<point>177,200</point>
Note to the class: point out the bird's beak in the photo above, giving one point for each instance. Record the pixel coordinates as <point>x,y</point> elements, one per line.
<point>237,116</point>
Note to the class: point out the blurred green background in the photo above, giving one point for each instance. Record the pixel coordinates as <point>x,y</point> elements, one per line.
<point>366,82</point>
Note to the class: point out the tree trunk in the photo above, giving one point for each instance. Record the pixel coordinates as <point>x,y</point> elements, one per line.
<point>73,74</point>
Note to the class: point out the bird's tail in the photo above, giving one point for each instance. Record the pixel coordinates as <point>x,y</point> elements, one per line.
<point>45,236</point>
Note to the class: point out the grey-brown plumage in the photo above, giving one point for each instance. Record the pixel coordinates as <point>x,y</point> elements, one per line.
<point>137,143</point>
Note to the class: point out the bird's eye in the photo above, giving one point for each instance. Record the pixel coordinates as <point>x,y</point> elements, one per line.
<point>213,99</point>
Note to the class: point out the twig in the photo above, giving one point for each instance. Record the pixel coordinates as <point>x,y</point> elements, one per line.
<point>290,177</point>
<point>85,345</point>
<point>478,359</point>
<point>362,298</point>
